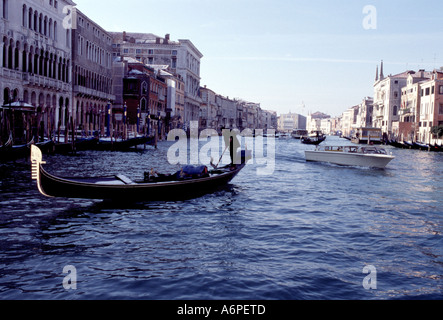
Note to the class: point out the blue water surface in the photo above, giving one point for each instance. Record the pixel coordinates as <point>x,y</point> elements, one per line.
<point>305,232</point>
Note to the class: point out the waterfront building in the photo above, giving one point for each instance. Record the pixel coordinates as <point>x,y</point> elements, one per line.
<point>181,56</point>
<point>226,112</point>
<point>349,121</point>
<point>270,120</point>
<point>175,100</point>
<point>290,122</point>
<point>145,97</point>
<point>35,63</point>
<point>410,106</point>
<point>208,109</point>
<point>313,121</point>
<point>387,101</point>
<point>431,107</point>
<point>92,75</point>
<point>365,113</point>
<point>326,126</point>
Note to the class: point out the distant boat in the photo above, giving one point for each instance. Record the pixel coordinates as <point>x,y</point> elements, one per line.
<point>80,144</point>
<point>367,136</point>
<point>123,145</point>
<point>315,138</point>
<point>189,182</point>
<point>351,156</point>
<point>298,134</point>
<point>10,152</point>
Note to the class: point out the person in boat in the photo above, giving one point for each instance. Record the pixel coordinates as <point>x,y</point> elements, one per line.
<point>232,141</point>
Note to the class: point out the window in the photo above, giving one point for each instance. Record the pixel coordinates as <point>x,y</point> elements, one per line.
<point>428,90</point>
<point>395,112</point>
<point>5,9</point>
<point>440,109</point>
<point>441,90</point>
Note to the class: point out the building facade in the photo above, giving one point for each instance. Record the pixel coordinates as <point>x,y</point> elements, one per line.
<point>92,75</point>
<point>431,107</point>
<point>387,102</point>
<point>35,57</point>
<point>290,122</point>
<point>182,57</point>
<point>410,106</point>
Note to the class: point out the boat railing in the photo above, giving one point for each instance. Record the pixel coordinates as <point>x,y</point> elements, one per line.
<point>352,149</point>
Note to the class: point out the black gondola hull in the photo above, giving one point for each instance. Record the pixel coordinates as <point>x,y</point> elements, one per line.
<point>53,186</point>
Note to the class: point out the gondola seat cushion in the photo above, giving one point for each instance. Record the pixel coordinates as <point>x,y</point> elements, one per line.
<point>192,172</point>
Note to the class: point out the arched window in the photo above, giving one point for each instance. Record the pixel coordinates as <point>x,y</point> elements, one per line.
<point>143,105</point>
<point>24,15</point>
<point>25,58</point>
<point>35,21</point>
<point>17,56</point>
<point>5,50</point>
<point>30,14</point>
<point>5,9</point>
<point>55,30</point>
<point>395,111</point>
<point>50,28</point>
<point>45,26</point>
<point>6,96</point>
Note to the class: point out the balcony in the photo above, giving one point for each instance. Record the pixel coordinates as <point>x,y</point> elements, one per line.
<point>29,79</point>
<point>93,93</point>
<point>45,82</point>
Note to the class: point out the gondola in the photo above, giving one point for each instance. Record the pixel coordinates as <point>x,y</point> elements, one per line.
<point>313,141</point>
<point>410,145</point>
<point>186,183</point>
<point>397,144</point>
<point>122,145</point>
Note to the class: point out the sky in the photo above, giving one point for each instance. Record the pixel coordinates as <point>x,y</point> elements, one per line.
<point>297,56</point>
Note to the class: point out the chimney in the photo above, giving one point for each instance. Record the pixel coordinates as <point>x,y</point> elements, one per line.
<point>166,40</point>
<point>157,40</point>
<point>382,76</point>
<point>124,35</point>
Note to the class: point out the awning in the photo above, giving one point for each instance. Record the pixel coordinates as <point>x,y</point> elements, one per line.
<point>20,106</point>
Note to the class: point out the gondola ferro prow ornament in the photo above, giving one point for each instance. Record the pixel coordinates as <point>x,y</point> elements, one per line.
<point>36,160</point>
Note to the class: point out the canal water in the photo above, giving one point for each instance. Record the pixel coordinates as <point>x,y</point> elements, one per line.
<point>309,231</point>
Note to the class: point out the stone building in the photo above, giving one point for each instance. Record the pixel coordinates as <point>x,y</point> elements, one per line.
<point>182,57</point>
<point>387,101</point>
<point>290,122</point>
<point>208,109</point>
<point>35,60</point>
<point>92,74</point>
<point>410,105</point>
<point>431,107</point>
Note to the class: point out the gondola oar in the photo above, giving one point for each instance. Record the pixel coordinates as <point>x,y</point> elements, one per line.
<point>216,166</point>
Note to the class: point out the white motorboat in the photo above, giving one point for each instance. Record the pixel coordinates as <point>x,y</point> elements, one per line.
<point>351,156</point>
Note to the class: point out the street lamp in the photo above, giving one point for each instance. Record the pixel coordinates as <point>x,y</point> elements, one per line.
<point>108,119</point>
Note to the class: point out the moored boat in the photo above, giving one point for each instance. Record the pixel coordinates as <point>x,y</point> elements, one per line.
<point>186,183</point>
<point>122,145</point>
<point>351,156</point>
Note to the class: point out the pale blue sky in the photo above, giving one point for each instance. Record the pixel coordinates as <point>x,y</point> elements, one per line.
<point>281,53</point>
